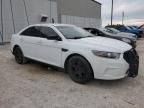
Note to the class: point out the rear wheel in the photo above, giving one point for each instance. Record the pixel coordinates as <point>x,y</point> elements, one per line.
<point>19,57</point>
<point>79,69</point>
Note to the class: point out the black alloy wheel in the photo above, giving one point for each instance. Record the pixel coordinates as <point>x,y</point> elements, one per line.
<point>79,69</point>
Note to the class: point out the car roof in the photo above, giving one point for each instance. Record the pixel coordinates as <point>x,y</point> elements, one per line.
<point>51,24</point>
<point>46,25</point>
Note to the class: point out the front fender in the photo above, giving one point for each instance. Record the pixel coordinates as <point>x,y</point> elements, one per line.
<point>66,55</point>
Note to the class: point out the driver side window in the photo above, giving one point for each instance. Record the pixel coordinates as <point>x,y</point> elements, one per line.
<point>47,31</point>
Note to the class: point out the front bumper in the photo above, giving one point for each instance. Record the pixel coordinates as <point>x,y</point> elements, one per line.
<point>109,69</point>
<point>132,59</point>
<point>112,69</point>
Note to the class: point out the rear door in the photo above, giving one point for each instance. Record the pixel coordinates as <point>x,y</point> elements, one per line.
<point>30,42</point>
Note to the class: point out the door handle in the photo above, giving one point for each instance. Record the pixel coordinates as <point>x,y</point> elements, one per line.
<point>64,50</point>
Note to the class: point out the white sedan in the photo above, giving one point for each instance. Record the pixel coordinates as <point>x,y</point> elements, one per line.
<point>81,54</point>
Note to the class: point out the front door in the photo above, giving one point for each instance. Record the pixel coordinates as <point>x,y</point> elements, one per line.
<point>50,50</point>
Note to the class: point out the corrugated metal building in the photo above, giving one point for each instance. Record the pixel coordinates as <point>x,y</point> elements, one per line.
<point>17,14</point>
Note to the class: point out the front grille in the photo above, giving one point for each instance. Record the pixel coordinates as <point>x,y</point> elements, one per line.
<point>132,59</point>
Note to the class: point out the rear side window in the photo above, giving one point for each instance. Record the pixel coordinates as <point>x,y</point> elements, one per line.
<point>33,32</point>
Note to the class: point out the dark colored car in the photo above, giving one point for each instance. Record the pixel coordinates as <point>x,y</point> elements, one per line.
<point>104,33</point>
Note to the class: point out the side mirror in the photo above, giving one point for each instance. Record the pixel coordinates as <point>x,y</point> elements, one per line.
<point>54,37</point>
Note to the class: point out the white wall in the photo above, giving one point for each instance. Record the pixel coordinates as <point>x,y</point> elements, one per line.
<point>18,14</point>
<point>37,7</point>
<point>7,20</point>
<point>54,13</point>
<point>81,21</point>
<point>0,23</point>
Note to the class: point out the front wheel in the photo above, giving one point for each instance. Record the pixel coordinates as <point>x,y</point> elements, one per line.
<point>79,69</point>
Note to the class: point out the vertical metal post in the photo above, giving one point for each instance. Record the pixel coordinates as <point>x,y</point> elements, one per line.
<point>12,17</point>
<point>112,13</point>
<point>26,12</point>
<point>123,18</point>
<point>50,11</point>
<point>1,22</point>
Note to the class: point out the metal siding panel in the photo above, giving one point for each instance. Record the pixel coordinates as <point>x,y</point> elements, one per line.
<point>7,21</point>
<point>76,21</point>
<point>81,21</point>
<point>68,20</point>
<point>99,23</point>
<point>19,14</point>
<point>64,19</point>
<point>36,8</point>
<point>54,13</point>
<point>88,22</point>
<point>81,8</point>
<point>85,23</point>
<point>0,23</point>
<point>91,22</point>
<point>71,19</point>
<point>95,23</point>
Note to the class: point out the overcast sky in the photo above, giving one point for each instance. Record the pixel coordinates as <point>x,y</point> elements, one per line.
<point>133,9</point>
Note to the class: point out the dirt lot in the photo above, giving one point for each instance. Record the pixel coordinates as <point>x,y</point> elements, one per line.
<point>35,86</point>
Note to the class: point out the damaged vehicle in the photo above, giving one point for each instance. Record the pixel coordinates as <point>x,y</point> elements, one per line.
<point>82,55</point>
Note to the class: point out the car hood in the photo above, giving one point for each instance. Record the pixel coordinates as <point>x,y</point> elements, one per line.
<point>101,44</point>
<point>124,35</point>
<point>127,34</point>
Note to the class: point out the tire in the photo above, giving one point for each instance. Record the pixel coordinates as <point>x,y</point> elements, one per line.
<point>19,57</point>
<point>79,69</point>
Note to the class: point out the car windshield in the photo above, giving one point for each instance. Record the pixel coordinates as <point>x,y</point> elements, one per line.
<point>72,32</point>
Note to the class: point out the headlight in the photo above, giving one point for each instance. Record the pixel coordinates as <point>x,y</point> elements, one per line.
<point>126,40</point>
<point>111,55</point>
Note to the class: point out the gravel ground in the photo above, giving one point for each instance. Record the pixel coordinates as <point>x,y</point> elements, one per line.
<point>34,85</point>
